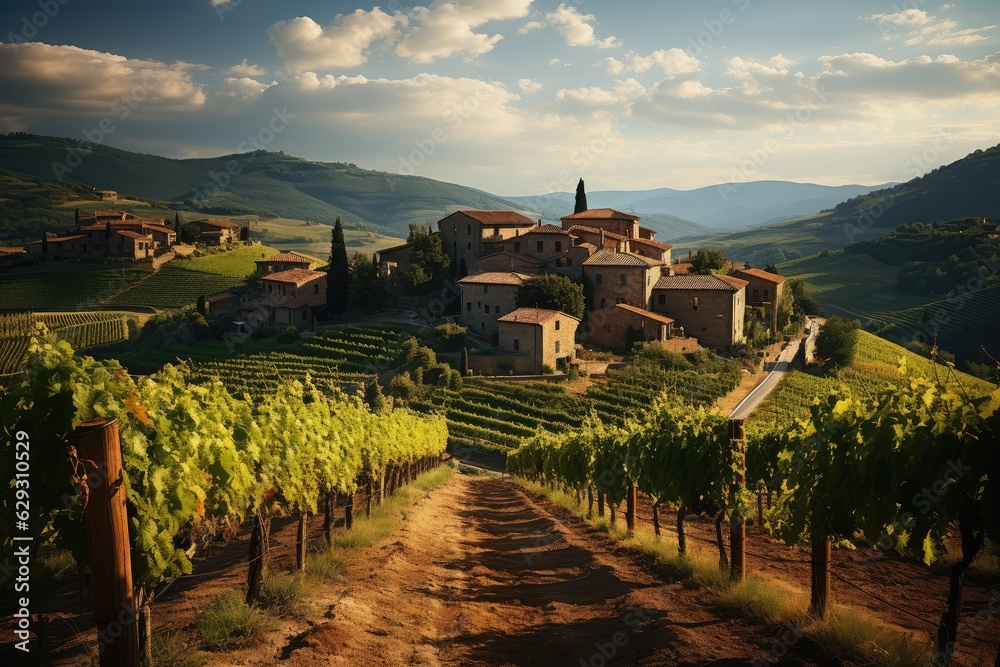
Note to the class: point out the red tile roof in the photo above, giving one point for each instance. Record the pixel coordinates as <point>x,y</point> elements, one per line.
<point>654,244</point>
<point>297,276</point>
<point>494,278</point>
<point>499,218</point>
<point>12,250</point>
<point>594,230</point>
<point>611,258</point>
<point>533,316</point>
<point>159,228</point>
<point>133,235</point>
<point>602,214</point>
<point>548,229</point>
<point>645,313</point>
<point>222,224</point>
<point>763,275</point>
<point>716,282</point>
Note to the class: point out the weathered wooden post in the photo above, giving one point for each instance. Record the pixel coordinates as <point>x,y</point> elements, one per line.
<point>106,519</point>
<point>630,500</point>
<point>737,523</point>
<point>820,589</point>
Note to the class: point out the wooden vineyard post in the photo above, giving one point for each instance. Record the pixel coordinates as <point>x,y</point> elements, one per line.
<point>106,520</point>
<point>630,499</point>
<point>820,589</point>
<point>349,511</point>
<point>737,523</point>
<point>257,556</point>
<point>302,541</point>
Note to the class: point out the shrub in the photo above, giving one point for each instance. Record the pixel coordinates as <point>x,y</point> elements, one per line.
<point>450,336</point>
<point>838,341</point>
<point>289,335</point>
<point>281,590</point>
<point>547,369</point>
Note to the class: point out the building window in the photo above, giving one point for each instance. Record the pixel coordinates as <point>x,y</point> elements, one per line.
<point>517,345</point>
<point>557,325</point>
<point>486,289</point>
<point>569,261</point>
<point>661,299</point>
<point>479,304</point>
<point>755,295</point>
<point>496,231</point>
<point>517,246</point>
<point>558,246</point>
<point>624,280</point>
<point>496,310</point>
<point>270,287</point>
<point>695,303</point>
<point>469,244</point>
<point>620,300</point>
<point>486,309</point>
<point>316,288</point>
<point>304,314</point>
<point>454,230</point>
<point>468,306</point>
<point>540,246</point>
<point>557,347</point>
<point>468,230</point>
<point>767,294</point>
<point>598,279</point>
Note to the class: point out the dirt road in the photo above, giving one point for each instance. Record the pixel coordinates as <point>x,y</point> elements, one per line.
<point>483,574</point>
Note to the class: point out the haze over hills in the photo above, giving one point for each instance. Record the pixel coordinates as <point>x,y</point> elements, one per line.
<point>715,207</point>
<point>268,184</point>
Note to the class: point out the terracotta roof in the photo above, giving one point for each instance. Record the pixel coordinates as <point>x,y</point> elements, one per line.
<point>222,224</point>
<point>646,229</point>
<point>681,268</point>
<point>494,278</point>
<point>287,257</point>
<point>533,316</point>
<point>589,246</point>
<point>655,244</point>
<point>610,258</point>
<point>527,259</point>
<point>594,230</point>
<point>297,276</point>
<point>159,228</point>
<point>602,214</point>
<point>715,282</point>
<point>645,313</point>
<point>133,235</point>
<point>60,239</point>
<point>499,217</point>
<point>13,250</point>
<point>547,229</point>
<point>763,275</point>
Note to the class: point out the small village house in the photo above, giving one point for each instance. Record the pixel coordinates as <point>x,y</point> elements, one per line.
<point>467,235</point>
<point>533,337</point>
<point>486,297</point>
<point>217,232</point>
<point>764,290</point>
<point>293,297</point>
<point>619,277</point>
<point>709,308</point>
<point>620,326</point>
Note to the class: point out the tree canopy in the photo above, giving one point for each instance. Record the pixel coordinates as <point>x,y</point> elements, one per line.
<point>581,198</point>
<point>838,340</point>
<point>338,275</point>
<point>553,292</point>
<point>707,261</point>
<point>427,259</point>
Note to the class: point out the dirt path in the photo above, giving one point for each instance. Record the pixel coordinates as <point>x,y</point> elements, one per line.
<point>483,574</point>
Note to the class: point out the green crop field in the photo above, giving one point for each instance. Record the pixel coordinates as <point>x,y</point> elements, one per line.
<point>877,365</point>
<point>238,264</point>
<point>64,288</point>
<point>82,330</point>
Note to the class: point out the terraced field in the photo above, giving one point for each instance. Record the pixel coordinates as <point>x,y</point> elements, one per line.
<point>62,289</point>
<point>171,287</point>
<point>80,329</point>
<point>877,365</point>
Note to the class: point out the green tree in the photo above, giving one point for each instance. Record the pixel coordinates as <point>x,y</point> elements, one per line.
<point>177,222</point>
<point>338,275</point>
<point>465,362</point>
<point>838,340</point>
<point>804,302</point>
<point>366,289</point>
<point>707,261</point>
<point>427,259</point>
<point>581,198</point>
<point>202,307</point>
<point>553,292</point>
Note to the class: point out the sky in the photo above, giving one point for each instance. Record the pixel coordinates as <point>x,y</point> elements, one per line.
<point>520,97</point>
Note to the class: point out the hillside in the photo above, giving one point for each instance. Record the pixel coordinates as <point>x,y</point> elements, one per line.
<point>268,184</point>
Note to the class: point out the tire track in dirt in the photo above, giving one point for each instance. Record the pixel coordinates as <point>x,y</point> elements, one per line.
<point>482,573</point>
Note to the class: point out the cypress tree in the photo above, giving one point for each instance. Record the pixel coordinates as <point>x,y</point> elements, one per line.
<point>465,362</point>
<point>201,305</point>
<point>338,275</point>
<point>581,198</point>
<point>76,216</point>
<point>177,222</point>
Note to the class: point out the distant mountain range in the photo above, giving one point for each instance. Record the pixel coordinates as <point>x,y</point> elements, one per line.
<point>714,208</point>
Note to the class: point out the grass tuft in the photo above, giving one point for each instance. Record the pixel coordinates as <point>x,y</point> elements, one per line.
<point>228,623</point>
<point>281,590</point>
<point>170,649</point>
<point>326,565</point>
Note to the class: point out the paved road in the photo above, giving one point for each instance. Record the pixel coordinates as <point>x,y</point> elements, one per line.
<point>777,369</point>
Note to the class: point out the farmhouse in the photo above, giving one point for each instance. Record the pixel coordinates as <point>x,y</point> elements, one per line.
<point>107,234</point>
<point>619,277</point>
<point>710,308</point>
<point>486,297</point>
<point>764,290</point>
<point>394,261</point>
<point>217,232</point>
<point>533,337</point>
<point>467,235</point>
<point>610,220</point>
<point>293,297</point>
<point>620,326</point>
<point>284,261</point>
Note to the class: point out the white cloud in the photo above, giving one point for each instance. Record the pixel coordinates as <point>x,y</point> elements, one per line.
<point>245,69</point>
<point>345,43</point>
<point>529,86</point>
<point>246,87</point>
<point>446,27</point>
<point>556,62</point>
<point>219,3</point>
<point>674,62</point>
<point>915,26</point>
<point>576,28</point>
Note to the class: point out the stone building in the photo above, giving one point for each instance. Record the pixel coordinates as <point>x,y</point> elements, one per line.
<point>486,297</point>
<point>764,290</point>
<point>534,336</point>
<point>293,297</point>
<point>467,235</point>
<point>709,308</point>
<point>619,277</point>
<point>619,326</point>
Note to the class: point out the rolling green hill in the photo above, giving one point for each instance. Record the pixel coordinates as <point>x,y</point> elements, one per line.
<point>267,184</point>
